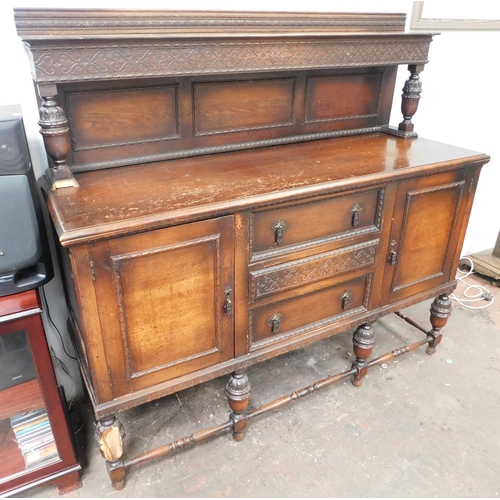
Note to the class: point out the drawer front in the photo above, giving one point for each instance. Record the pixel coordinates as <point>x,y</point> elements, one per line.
<point>279,320</point>
<point>276,279</point>
<point>286,228</point>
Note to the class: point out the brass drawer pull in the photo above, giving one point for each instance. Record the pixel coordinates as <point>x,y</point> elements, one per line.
<point>228,303</point>
<point>279,228</point>
<point>274,321</point>
<point>355,210</point>
<point>346,299</point>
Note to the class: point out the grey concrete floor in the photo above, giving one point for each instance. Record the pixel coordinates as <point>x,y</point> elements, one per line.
<point>424,426</point>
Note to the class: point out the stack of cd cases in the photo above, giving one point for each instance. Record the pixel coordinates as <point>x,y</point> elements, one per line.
<point>34,437</point>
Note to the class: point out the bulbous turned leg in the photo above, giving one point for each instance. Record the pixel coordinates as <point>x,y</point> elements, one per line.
<point>238,395</point>
<point>440,312</point>
<point>109,435</point>
<point>363,341</point>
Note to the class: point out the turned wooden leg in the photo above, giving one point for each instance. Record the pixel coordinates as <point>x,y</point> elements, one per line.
<point>440,312</point>
<point>363,341</point>
<point>238,394</point>
<point>109,435</point>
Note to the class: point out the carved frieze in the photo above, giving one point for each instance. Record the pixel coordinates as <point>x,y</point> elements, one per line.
<point>310,269</point>
<point>105,61</point>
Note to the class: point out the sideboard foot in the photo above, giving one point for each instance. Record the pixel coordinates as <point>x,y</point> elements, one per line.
<point>109,435</point>
<point>440,312</point>
<point>69,482</point>
<point>238,395</point>
<point>117,473</point>
<point>363,341</point>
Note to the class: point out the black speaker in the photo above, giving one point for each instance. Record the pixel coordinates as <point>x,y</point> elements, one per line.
<point>25,261</point>
<point>16,361</point>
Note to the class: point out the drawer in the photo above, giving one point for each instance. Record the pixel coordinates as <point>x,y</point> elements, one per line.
<point>323,220</point>
<point>272,280</point>
<point>279,320</point>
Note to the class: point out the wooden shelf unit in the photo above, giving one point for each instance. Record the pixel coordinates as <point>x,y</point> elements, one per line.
<point>20,313</point>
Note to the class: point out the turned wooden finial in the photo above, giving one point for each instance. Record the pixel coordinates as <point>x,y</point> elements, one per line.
<point>410,99</point>
<point>54,127</point>
<point>409,104</point>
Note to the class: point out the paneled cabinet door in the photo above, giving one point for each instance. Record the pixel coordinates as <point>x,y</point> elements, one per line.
<point>428,217</point>
<point>165,302</point>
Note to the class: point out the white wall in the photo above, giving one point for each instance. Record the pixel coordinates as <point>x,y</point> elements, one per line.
<point>459,104</point>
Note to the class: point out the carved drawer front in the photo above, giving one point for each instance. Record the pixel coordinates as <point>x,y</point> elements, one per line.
<point>280,320</point>
<point>301,272</point>
<point>306,224</point>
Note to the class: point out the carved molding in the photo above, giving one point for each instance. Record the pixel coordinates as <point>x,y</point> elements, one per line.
<point>31,23</point>
<point>88,62</point>
<point>310,269</point>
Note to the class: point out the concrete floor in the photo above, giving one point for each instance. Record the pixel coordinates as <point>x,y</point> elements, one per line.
<point>424,426</point>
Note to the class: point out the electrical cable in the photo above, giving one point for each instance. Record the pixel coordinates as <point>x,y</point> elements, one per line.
<point>472,293</point>
<point>59,364</point>
<point>53,324</point>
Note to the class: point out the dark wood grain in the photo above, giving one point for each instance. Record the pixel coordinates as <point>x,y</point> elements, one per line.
<point>21,399</point>
<point>114,201</point>
<point>18,303</point>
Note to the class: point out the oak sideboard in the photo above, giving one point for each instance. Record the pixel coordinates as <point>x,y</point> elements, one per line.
<point>226,187</point>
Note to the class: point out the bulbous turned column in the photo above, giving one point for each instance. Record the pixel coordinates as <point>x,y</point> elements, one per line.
<point>238,395</point>
<point>54,127</point>
<point>410,99</point>
<point>440,312</point>
<point>109,435</point>
<point>363,341</point>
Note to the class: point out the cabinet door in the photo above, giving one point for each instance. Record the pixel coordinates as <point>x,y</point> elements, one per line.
<point>426,233</point>
<point>162,302</point>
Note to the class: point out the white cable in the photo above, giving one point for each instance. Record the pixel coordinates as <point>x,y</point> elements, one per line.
<point>473,293</point>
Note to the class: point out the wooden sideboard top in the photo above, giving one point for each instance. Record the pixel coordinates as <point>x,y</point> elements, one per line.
<point>117,201</point>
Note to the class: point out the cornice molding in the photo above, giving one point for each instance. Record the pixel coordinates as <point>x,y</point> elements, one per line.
<point>95,23</point>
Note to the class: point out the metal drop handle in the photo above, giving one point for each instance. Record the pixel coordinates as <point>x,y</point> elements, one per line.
<point>279,228</point>
<point>228,303</point>
<point>346,299</point>
<point>355,211</point>
<point>274,321</point>
<point>393,256</point>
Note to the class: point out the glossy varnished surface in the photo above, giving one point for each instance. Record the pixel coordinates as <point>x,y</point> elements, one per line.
<point>112,201</point>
